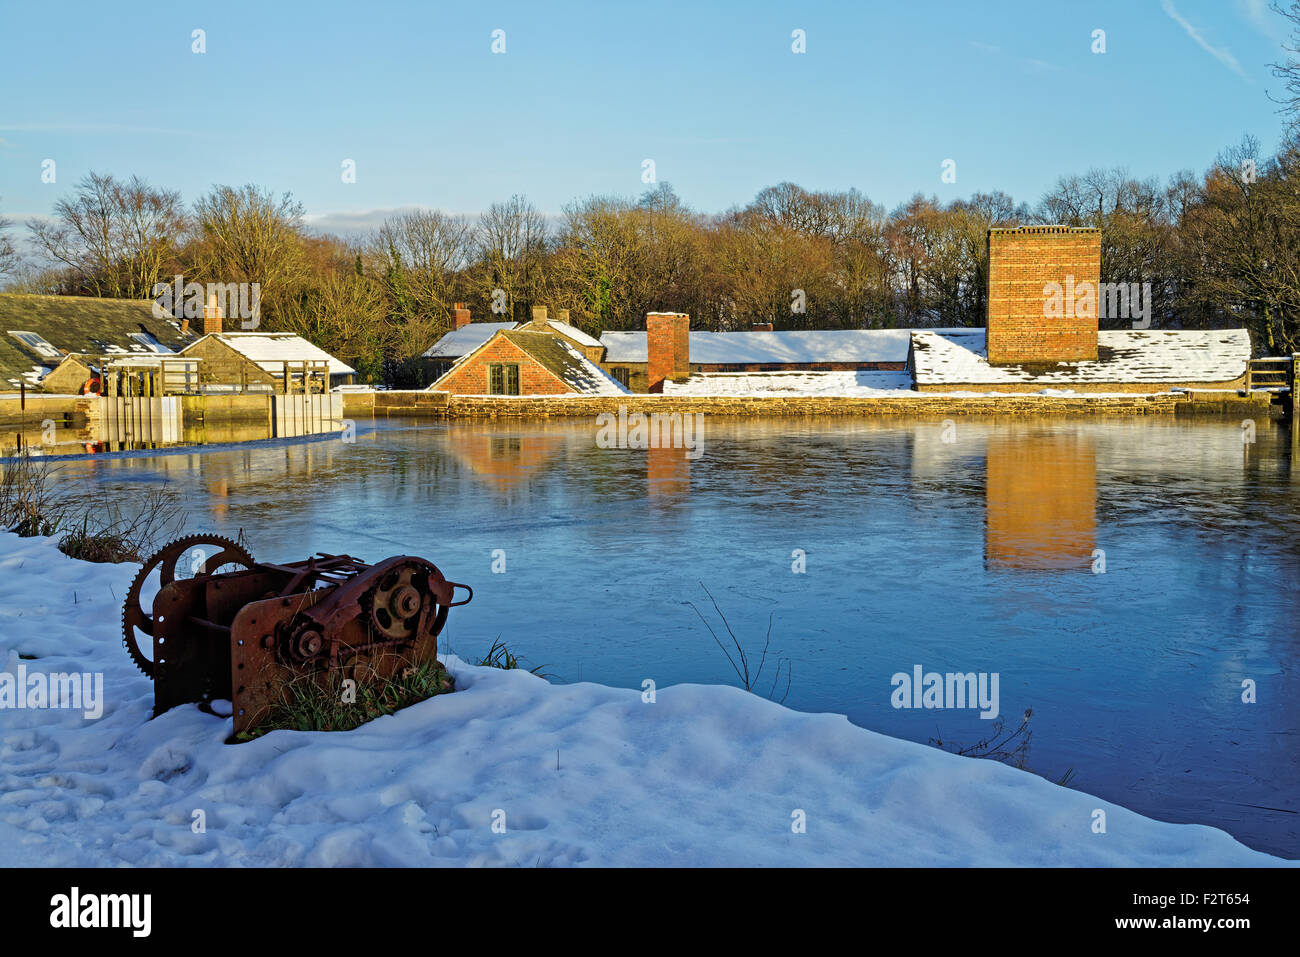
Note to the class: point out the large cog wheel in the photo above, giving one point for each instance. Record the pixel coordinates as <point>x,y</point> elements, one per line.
<point>166,560</point>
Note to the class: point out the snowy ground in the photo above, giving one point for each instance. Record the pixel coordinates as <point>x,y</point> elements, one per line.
<point>701,776</point>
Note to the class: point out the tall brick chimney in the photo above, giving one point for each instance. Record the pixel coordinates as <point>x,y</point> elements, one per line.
<point>212,316</point>
<point>459,315</point>
<point>668,347</point>
<point>1022,262</point>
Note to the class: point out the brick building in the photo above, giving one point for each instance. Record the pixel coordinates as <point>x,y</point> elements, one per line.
<point>466,336</point>
<point>1044,301</point>
<point>530,360</point>
<point>1022,262</point>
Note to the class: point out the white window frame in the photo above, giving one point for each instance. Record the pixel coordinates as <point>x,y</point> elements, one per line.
<point>38,344</point>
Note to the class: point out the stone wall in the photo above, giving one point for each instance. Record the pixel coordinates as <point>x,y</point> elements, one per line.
<point>585,406</point>
<point>1026,388</point>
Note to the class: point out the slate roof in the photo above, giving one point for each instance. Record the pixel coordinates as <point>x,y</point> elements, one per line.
<point>270,350</point>
<point>958,357</point>
<point>786,347</point>
<point>77,324</point>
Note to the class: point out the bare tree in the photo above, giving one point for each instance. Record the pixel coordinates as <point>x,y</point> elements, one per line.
<point>8,254</point>
<point>1289,72</point>
<point>418,257</point>
<point>511,247</point>
<point>117,238</point>
<point>248,235</point>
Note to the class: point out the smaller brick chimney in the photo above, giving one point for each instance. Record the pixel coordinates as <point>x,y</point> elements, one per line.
<point>212,316</point>
<point>562,315</point>
<point>762,327</point>
<point>668,348</point>
<point>459,316</point>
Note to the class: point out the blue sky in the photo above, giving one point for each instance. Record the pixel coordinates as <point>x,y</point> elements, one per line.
<point>585,92</point>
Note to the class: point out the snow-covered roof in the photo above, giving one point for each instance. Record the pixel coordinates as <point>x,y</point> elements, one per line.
<point>786,347</point>
<point>573,332</point>
<point>270,350</point>
<point>947,357</point>
<point>585,376</point>
<point>466,339</point>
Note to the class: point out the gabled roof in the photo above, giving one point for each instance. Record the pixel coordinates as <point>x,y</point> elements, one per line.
<point>1124,355</point>
<point>270,350</point>
<point>555,355</point>
<point>786,347</point>
<point>463,341</point>
<point>80,324</point>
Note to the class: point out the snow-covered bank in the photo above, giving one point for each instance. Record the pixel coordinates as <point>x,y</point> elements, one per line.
<point>702,776</point>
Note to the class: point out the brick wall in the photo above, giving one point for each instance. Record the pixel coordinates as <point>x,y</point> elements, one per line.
<point>668,348</point>
<point>471,376</point>
<point>1021,262</point>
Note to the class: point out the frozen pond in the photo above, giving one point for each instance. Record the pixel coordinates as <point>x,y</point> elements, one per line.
<point>967,551</point>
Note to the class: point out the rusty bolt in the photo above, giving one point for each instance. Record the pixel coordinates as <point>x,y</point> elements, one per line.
<point>309,643</point>
<point>405,602</point>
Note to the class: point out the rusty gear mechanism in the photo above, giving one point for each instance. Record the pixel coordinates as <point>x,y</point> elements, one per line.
<point>240,630</point>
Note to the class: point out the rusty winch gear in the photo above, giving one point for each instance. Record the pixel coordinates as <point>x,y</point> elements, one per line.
<point>207,554</point>
<point>243,635</point>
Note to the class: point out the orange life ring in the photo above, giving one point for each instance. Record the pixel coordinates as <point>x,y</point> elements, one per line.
<point>91,386</point>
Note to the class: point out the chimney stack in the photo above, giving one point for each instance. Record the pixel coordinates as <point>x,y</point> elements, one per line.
<point>668,348</point>
<point>212,316</point>
<point>562,315</point>
<point>459,316</point>
<point>539,316</point>
<point>762,327</point>
<point>1043,287</point>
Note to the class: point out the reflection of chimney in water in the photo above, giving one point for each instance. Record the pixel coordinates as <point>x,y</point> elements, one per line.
<point>668,472</point>
<point>1040,501</point>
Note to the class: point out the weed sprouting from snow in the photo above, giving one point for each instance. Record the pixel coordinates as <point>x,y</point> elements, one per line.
<point>499,656</point>
<point>33,504</point>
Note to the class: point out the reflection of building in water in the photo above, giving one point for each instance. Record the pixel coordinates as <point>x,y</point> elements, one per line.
<point>505,460</point>
<point>668,472</point>
<point>1040,501</point>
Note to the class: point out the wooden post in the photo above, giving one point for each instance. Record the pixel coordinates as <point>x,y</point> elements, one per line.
<point>1295,412</point>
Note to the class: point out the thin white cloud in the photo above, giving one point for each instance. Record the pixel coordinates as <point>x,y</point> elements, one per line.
<point>1260,15</point>
<point>1222,54</point>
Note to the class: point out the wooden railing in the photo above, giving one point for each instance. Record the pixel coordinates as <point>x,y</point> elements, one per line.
<point>1276,374</point>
